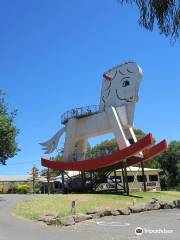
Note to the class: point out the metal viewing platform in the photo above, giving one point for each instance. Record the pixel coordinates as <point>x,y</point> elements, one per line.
<point>79,113</point>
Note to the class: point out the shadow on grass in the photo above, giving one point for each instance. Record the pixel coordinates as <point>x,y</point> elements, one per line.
<point>112,193</point>
<point>135,196</point>
<point>121,193</point>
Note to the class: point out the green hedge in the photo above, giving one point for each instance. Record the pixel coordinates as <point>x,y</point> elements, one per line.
<point>22,188</point>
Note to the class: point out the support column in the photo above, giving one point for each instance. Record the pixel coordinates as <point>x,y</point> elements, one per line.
<point>124,187</point>
<point>143,176</point>
<point>116,189</point>
<point>83,181</point>
<point>62,173</point>
<point>91,179</point>
<point>126,178</point>
<point>48,181</point>
<point>117,128</point>
<point>70,140</point>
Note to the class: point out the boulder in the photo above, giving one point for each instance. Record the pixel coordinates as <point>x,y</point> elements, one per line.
<point>177,203</point>
<point>153,200</point>
<point>91,213</point>
<point>115,213</point>
<point>137,208</point>
<point>67,221</point>
<point>98,214</point>
<point>153,204</point>
<point>166,204</point>
<point>124,211</point>
<point>49,219</point>
<point>81,217</point>
<point>107,212</point>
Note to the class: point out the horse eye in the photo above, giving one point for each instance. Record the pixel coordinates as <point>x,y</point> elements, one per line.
<point>126,83</point>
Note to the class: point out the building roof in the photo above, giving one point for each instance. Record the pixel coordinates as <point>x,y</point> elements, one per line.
<point>135,169</point>
<point>15,178</point>
<point>27,178</point>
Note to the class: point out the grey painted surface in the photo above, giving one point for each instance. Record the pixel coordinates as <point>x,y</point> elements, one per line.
<point>110,228</point>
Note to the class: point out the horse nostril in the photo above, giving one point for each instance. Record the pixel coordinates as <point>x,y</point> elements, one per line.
<point>134,98</point>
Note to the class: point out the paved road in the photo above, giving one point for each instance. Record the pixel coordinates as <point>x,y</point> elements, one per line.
<point>109,228</point>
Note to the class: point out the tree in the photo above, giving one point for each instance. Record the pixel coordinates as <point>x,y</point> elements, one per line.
<point>105,146</point>
<point>53,172</point>
<point>111,145</point>
<point>49,173</point>
<point>8,132</point>
<point>169,162</point>
<point>153,163</point>
<point>166,13</point>
<point>35,176</point>
<point>139,133</point>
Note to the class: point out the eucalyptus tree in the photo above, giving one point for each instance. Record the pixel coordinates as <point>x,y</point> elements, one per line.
<point>164,13</point>
<point>8,132</point>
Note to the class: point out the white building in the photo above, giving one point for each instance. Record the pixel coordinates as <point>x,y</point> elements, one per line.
<point>135,178</point>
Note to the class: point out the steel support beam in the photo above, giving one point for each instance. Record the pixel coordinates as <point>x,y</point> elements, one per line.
<point>63,189</point>
<point>116,189</point>
<point>126,177</point>
<point>143,176</point>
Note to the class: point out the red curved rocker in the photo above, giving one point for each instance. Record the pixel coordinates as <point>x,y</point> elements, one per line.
<point>145,144</point>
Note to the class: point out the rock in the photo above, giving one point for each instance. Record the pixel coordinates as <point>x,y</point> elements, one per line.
<point>67,221</point>
<point>124,211</point>
<point>137,208</point>
<point>115,213</point>
<point>107,212</point>
<point>49,219</point>
<point>81,217</point>
<point>177,203</point>
<point>91,213</point>
<point>166,204</point>
<point>153,204</point>
<point>153,200</point>
<point>98,214</point>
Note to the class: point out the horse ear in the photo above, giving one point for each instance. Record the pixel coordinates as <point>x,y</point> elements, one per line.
<point>107,76</point>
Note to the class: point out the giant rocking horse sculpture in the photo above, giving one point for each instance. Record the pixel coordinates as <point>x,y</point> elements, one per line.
<point>115,114</point>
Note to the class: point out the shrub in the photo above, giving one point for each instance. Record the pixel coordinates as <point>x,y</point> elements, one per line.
<point>22,188</point>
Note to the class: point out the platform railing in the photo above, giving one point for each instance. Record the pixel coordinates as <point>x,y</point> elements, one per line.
<point>79,112</point>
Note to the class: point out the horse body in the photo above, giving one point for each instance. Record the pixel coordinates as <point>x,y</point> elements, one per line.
<point>119,94</point>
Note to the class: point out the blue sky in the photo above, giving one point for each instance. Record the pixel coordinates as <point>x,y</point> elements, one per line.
<point>53,55</point>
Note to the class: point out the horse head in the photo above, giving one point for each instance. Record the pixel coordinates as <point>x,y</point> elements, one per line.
<point>120,86</point>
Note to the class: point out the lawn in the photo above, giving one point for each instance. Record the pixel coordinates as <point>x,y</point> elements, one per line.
<point>61,204</point>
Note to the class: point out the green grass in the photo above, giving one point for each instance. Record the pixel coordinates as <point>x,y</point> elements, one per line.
<point>61,204</point>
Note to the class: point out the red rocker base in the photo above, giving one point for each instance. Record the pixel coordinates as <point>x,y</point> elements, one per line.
<point>144,145</point>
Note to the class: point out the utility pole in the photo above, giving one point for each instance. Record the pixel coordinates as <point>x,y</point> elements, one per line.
<point>48,176</point>
<point>35,174</point>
